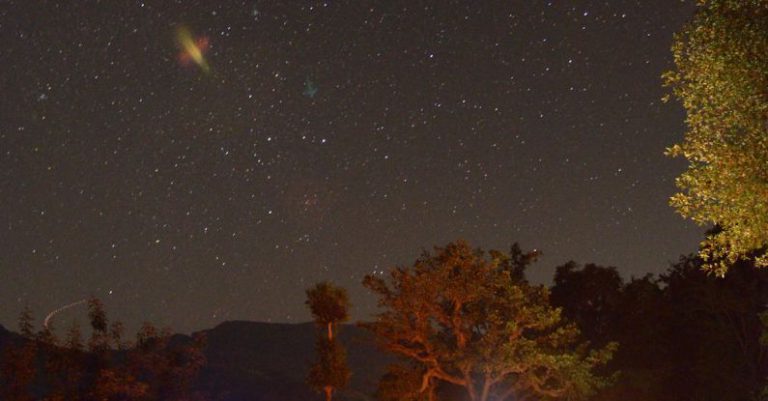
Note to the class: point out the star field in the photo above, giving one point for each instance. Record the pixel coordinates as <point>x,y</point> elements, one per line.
<point>328,140</point>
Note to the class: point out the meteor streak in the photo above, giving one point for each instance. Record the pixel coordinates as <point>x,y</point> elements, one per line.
<point>62,309</point>
<point>192,49</point>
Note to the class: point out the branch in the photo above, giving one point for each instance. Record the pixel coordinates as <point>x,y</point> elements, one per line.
<point>439,373</point>
<point>504,373</point>
<point>486,386</point>
<point>413,353</point>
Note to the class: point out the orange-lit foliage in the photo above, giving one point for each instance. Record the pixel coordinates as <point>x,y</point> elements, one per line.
<point>464,320</point>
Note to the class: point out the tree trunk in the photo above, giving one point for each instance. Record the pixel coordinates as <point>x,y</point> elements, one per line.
<point>330,331</point>
<point>471,392</point>
<point>486,388</point>
<point>328,393</point>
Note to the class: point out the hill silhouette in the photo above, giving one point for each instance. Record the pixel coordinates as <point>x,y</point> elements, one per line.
<point>270,361</point>
<point>254,361</point>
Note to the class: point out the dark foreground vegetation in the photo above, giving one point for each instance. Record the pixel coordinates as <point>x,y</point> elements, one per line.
<point>684,335</point>
<point>459,324</point>
<point>105,366</point>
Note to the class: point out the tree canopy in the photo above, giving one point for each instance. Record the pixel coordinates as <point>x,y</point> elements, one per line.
<point>721,78</point>
<point>328,304</point>
<point>475,322</point>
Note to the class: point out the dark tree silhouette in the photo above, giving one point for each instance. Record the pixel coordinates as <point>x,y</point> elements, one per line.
<point>18,368</point>
<point>715,330</point>
<point>107,369</point>
<point>686,335</point>
<point>590,297</point>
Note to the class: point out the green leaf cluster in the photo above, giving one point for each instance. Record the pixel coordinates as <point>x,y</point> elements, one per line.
<point>721,78</point>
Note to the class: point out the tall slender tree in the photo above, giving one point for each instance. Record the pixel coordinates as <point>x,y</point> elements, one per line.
<point>329,306</point>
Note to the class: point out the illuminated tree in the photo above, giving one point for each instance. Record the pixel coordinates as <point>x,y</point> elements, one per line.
<point>721,77</point>
<point>402,382</point>
<point>329,306</point>
<point>471,322</point>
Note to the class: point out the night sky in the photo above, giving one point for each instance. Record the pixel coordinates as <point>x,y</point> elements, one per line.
<point>322,141</point>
